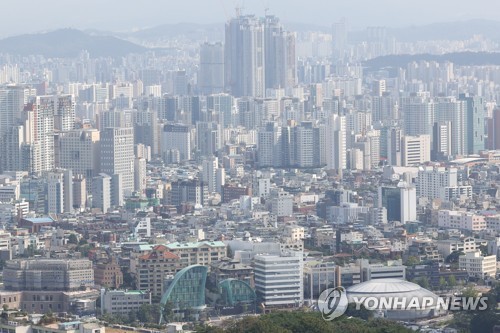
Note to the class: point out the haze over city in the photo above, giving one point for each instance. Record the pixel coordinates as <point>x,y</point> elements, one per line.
<point>126,15</point>
<point>249,166</point>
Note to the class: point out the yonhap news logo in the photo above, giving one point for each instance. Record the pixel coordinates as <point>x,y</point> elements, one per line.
<point>333,303</point>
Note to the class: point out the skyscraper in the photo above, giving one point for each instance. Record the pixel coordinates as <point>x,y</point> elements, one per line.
<point>474,123</point>
<point>245,57</point>
<point>59,191</point>
<point>418,115</point>
<point>211,74</point>
<point>117,155</point>
<point>269,145</point>
<point>11,107</point>
<point>336,143</point>
<point>339,36</point>
<point>101,192</point>
<point>453,111</point>
<point>222,106</point>
<point>279,55</point>
<point>64,116</point>
<point>80,151</point>
<point>38,150</point>
<point>494,130</point>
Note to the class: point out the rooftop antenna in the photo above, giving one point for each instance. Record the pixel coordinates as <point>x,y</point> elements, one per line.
<point>239,9</point>
<point>224,8</point>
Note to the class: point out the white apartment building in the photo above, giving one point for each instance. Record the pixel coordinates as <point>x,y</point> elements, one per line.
<point>431,179</point>
<point>461,220</point>
<point>466,245</point>
<point>278,279</point>
<point>477,265</point>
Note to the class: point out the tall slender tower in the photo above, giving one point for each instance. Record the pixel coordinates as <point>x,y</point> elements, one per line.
<point>279,55</point>
<point>474,123</point>
<point>38,148</point>
<point>245,57</point>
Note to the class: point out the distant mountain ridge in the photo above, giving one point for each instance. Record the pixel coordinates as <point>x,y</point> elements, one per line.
<point>392,62</point>
<point>68,43</point>
<point>448,30</point>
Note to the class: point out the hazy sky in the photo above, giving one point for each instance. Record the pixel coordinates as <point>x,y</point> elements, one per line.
<point>124,15</point>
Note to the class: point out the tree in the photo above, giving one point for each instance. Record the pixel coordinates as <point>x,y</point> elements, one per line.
<point>72,239</point>
<point>145,313</point>
<point>484,321</point>
<point>412,261</point>
<point>484,250</point>
<point>452,281</point>
<point>132,316</point>
<point>362,313</point>
<point>470,291</point>
<point>168,312</point>
<point>453,257</point>
<point>442,283</point>
<point>423,282</point>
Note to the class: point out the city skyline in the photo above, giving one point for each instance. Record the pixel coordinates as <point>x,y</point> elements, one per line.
<point>125,15</point>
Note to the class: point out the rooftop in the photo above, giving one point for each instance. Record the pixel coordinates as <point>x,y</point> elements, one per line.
<point>40,220</point>
<point>188,245</point>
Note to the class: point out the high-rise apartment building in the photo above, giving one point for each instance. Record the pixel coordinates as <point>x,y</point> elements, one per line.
<point>80,151</point>
<point>441,144</point>
<point>117,155</point>
<point>418,115</point>
<point>59,191</point>
<point>245,56</point>
<point>101,192</point>
<point>269,145</point>
<point>64,116</point>
<point>210,166</point>
<point>176,137</point>
<point>211,74</point>
<point>259,55</point>
<point>336,143</point>
<point>279,55</point>
<point>474,110</point>
<point>38,149</point>
<point>493,124</point>
<point>12,99</point>
<point>431,180</point>
<point>452,111</point>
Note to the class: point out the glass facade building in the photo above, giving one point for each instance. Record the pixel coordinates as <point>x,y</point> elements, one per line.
<point>187,289</point>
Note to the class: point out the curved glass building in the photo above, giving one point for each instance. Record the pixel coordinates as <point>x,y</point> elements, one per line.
<point>187,290</point>
<point>234,292</point>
